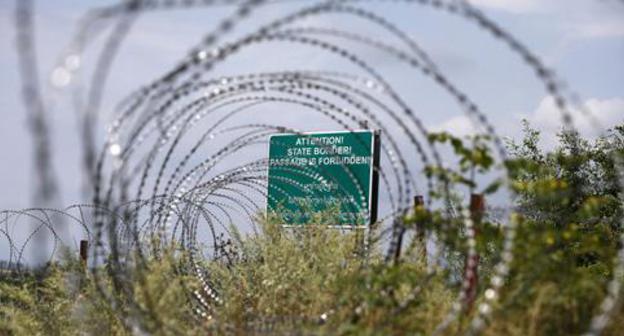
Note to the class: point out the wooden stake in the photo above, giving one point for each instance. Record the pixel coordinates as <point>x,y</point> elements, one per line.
<point>471,275</point>
<point>477,206</point>
<point>84,252</point>
<point>419,200</point>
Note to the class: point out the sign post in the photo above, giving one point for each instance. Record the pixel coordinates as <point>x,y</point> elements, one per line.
<point>330,172</point>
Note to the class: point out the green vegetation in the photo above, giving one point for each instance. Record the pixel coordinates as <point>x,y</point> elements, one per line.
<point>317,279</point>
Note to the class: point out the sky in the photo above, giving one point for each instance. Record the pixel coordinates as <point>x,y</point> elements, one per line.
<point>582,40</point>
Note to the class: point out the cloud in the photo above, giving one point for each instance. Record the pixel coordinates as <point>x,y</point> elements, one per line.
<point>604,113</point>
<point>513,6</point>
<point>604,28</point>
<point>458,126</point>
<point>580,18</point>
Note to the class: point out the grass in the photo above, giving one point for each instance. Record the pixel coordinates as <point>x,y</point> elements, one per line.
<point>288,281</point>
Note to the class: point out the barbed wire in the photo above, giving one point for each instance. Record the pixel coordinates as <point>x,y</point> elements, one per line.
<point>181,163</point>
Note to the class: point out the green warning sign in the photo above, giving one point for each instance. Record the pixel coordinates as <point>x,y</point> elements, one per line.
<point>324,172</point>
